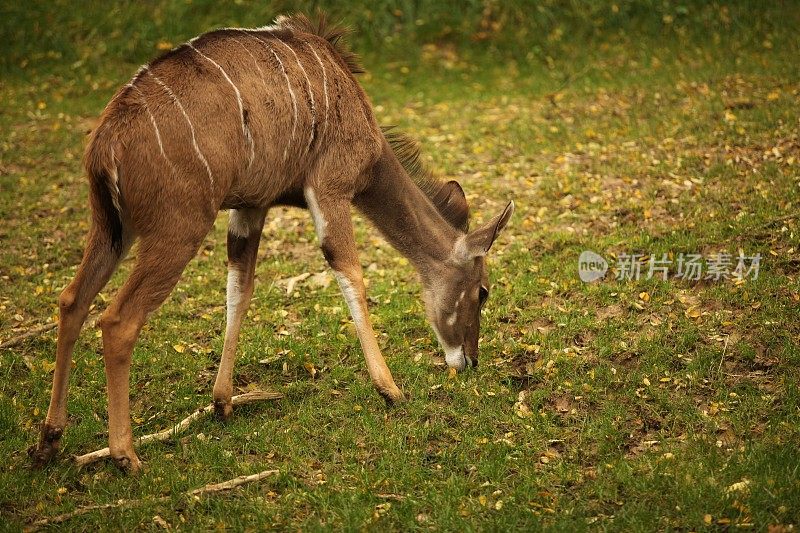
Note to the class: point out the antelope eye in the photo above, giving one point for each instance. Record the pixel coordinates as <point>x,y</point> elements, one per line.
<point>483,294</point>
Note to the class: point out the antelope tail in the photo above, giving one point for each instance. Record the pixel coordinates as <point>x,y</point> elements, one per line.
<point>100,161</point>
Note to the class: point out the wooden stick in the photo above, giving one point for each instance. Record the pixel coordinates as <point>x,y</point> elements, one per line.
<point>783,218</point>
<point>35,332</point>
<point>40,330</point>
<point>161,436</point>
<point>231,483</point>
<point>196,493</point>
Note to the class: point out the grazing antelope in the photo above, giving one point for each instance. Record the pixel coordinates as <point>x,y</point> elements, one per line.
<point>244,119</point>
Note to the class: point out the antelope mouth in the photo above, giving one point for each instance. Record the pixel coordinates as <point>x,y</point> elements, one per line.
<point>459,359</point>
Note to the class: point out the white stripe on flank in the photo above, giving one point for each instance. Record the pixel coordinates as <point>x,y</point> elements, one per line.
<point>200,155</point>
<point>291,92</point>
<point>324,86</point>
<point>258,67</point>
<point>310,92</point>
<point>344,74</point>
<point>245,130</point>
<point>115,182</point>
<point>153,122</point>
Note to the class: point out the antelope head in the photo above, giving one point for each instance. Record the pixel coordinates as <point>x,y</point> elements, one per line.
<point>456,290</point>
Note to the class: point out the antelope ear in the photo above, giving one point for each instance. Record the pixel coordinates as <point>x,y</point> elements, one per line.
<point>478,242</point>
<point>452,204</point>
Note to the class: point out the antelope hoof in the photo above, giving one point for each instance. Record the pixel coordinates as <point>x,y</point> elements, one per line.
<point>47,448</point>
<point>130,464</point>
<point>223,410</point>
<point>392,395</point>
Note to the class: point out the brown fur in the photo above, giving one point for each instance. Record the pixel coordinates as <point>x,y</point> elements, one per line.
<point>448,197</point>
<point>244,120</point>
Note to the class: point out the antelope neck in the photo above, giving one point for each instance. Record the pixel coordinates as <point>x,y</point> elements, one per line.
<point>405,215</point>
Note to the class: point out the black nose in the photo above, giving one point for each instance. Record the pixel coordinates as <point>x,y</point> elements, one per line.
<point>474,363</point>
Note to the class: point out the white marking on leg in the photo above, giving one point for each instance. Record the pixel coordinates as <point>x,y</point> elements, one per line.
<point>233,293</point>
<point>310,92</point>
<point>238,223</point>
<point>174,98</point>
<point>245,130</point>
<point>320,224</point>
<point>352,298</point>
<point>153,122</point>
<point>324,87</point>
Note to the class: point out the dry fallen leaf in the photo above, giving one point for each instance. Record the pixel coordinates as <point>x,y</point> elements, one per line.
<point>693,312</point>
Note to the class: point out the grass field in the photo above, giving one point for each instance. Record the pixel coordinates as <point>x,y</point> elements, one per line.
<point>621,404</point>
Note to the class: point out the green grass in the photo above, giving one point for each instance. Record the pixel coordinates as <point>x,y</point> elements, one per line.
<point>632,405</point>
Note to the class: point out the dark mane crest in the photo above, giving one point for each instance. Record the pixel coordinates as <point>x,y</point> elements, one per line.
<point>447,196</point>
<point>333,33</point>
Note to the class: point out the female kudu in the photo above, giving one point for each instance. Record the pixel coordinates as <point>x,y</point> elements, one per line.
<point>244,119</point>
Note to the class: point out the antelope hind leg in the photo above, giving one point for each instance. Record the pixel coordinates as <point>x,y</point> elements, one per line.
<point>100,259</point>
<point>160,263</point>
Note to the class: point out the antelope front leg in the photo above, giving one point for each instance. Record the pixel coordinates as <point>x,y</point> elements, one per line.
<point>335,232</point>
<point>244,234</point>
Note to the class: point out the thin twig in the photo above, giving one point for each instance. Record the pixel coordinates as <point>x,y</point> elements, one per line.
<point>35,332</point>
<point>161,436</point>
<point>196,493</point>
<point>40,330</point>
<point>783,218</point>
<point>722,358</point>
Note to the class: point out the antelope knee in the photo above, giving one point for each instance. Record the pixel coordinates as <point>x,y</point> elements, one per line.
<point>66,301</point>
<point>118,338</point>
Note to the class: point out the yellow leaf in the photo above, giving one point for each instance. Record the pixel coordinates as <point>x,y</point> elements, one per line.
<point>693,312</point>
<point>451,373</point>
<point>708,519</point>
<point>309,366</point>
<point>180,348</point>
<point>645,297</point>
<point>646,382</point>
<point>741,486</point>
<point>164,45</point>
